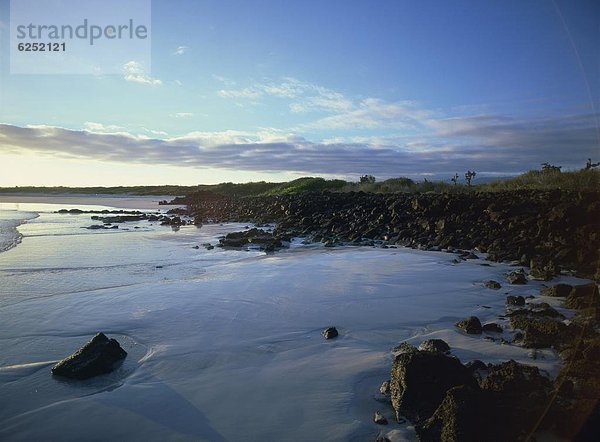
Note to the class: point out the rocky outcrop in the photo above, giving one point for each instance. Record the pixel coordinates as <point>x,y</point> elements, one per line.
<point>98,356</point>
<point>503,405</point>
<point>420,380</point>
<point>509,226</point>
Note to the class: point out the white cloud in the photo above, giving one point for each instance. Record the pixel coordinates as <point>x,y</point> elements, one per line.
<point>180,50</point>
<point>372,113</point>
<point>183,115</point>
<point>90,126</point>
<point>134,71</point>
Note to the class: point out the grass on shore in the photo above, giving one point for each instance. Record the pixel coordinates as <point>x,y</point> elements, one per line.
<point>580,180</point>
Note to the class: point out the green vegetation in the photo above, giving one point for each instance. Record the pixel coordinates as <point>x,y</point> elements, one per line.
<point>548,178</point>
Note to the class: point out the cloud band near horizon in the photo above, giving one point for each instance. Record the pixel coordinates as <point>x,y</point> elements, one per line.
<point>489,144</point>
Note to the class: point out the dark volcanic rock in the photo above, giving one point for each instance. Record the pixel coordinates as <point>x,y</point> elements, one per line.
<point>379,418</point>
<point>252,236</point>
<point>471,325</point>
<point>492,327</point>
<point>543,268</point>
<point>542,332</point>
<point>385,388</point>
<point>492,285</point>
<point>515,300</point>
<point>434,345</point>
<point>507,402</point>
<point>517,277</point>
<point>515,225</point>
<point>330,333</point>
<point>98,356</point>
<point>583,296</point>
<point>560,290</point>
<point>420,380</point>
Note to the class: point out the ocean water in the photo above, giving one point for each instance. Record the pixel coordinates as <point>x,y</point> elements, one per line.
<point>223,345</point>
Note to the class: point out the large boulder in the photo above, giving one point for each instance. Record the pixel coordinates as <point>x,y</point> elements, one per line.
<point>504,406</point>
<point>420,379</point>
<point>98,356</point>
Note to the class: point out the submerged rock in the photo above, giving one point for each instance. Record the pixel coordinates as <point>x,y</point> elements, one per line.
<point>330,332</point>
<point>98,356</point>
<point>471,325</point>
<point>491,284</point>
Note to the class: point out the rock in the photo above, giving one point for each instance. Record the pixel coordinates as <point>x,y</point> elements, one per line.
<point>583,296</point>
<point>458,418</point>
<point>543,268</point>
<point>517,277</point>
<point>253,236</point>
<point>98,356</point>
<point>492,327</point>
<point>492,284</point>
<point>420,379</point>
<point>502,407</point>
<point>515,300</point>
<point>379,418</point>
<point>404,347</point>
<point>476,365</point>
<point>542,332</point>
<point>516,379</point>
<point>385,388</point>
<point>558,290</point>
<point>434,345</point>
<point>471,325</point>
<point>95,227</point>
<point>330,332</point>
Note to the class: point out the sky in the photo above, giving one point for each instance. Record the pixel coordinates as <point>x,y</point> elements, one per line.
<point>272,90</point>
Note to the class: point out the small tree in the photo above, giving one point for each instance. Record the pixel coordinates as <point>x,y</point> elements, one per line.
<point>547,167</point>
<point>367,179</point>
<point>469,175</point>
<point>454,179</point>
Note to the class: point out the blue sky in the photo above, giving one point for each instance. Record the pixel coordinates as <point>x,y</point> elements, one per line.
<point>253,90</point>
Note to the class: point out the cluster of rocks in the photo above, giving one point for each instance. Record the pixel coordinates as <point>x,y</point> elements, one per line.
<point>447,400</point>
<point>545,230</point>
<point>256,237</point>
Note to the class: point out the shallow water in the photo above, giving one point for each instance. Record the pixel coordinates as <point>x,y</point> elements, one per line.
<point>223,345</point>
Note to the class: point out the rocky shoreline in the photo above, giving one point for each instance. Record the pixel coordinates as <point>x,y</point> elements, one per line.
<point>548,231</point>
